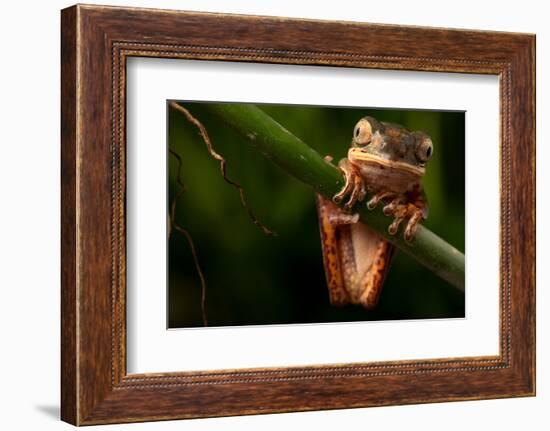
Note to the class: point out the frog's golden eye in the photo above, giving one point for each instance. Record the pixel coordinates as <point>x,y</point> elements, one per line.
<point>362,133</point>
<point>424,150</point>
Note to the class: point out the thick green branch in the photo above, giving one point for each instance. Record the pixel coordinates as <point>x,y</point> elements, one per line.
<point>304,163</point>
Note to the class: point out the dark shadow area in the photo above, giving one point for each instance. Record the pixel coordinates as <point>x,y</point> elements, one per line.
<point>52,411</point>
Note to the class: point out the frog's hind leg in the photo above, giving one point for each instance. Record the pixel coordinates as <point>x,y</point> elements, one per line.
<point>355,257</point>
<point>333,224</point>
<point>372,280</point>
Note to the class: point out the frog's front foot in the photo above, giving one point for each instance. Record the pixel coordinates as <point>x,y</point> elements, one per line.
<point>380,196</point>
<point>402,210</point>
<point>354,188</point>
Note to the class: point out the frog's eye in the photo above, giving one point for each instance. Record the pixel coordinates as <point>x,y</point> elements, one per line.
<point>362,133</point>
<point>425,150</point>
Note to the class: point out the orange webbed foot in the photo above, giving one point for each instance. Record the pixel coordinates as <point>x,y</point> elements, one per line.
<point>354,188</point>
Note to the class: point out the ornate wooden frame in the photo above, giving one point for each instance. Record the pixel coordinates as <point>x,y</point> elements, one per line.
<point>96,41</point>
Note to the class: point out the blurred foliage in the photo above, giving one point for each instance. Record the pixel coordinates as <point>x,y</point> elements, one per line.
<point>253,279</point>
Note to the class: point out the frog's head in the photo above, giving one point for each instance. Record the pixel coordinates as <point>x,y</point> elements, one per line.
<point>390,145</point>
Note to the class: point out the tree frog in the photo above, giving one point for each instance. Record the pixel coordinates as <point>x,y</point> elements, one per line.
<point>387,162</point>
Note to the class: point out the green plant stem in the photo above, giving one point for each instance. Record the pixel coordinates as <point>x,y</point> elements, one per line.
<point>304,163</point>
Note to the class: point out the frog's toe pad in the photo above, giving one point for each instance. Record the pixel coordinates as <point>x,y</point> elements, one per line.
<point>412,226</point>
<point>358,193</point>
<point>392,228</point>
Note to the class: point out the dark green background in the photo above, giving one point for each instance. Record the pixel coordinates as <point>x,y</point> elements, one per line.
<point>253,279</point>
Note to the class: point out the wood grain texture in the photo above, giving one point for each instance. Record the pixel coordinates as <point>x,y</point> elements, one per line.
<point>96,41</point>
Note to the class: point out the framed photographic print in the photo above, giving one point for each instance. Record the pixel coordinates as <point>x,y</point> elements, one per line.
<point>279,215</point>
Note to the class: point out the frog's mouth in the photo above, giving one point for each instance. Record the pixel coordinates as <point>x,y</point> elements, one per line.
<point>386,163</point>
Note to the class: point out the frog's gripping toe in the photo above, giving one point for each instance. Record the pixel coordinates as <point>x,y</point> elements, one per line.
<point>354,188</point>
<point>379,197</point>
<point>412,226</point>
